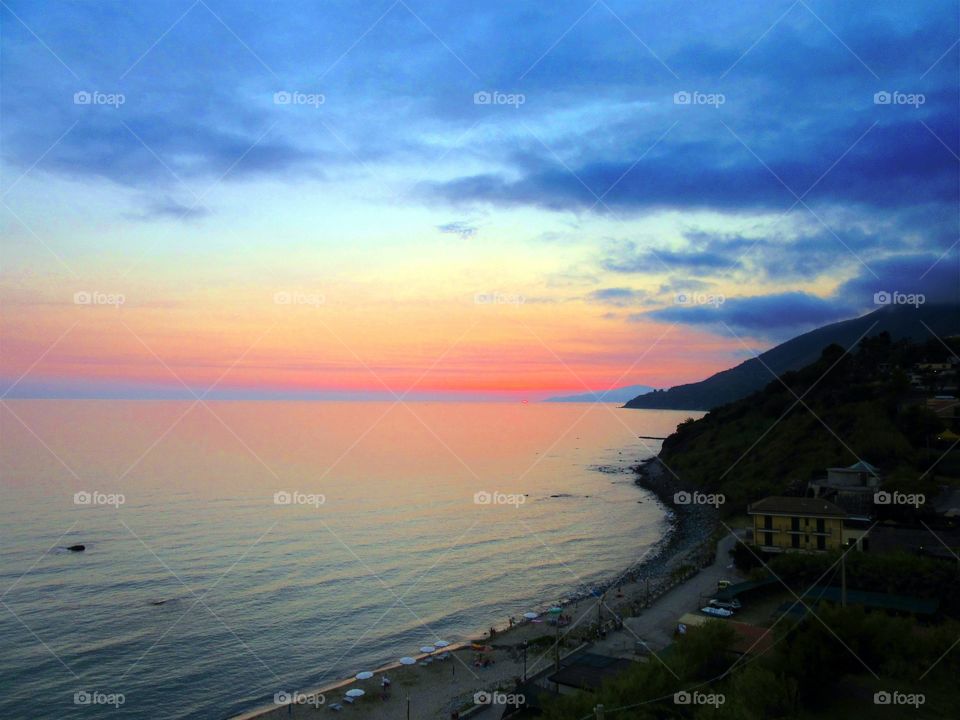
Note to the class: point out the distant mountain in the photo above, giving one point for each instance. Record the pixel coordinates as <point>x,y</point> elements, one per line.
<point>615,395</point>
<point>901,321</point>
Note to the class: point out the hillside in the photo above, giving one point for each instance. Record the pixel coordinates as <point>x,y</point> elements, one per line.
<point>853,406</point>
<point>901,322</point>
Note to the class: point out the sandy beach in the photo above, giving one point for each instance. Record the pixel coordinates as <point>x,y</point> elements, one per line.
<point>638,611</point>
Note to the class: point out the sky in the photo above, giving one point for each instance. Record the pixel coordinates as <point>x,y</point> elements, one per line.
<point>446,199</point>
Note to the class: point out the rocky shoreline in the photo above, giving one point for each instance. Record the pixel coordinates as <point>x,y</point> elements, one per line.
<point>689,541</point>
<point>687,546</point>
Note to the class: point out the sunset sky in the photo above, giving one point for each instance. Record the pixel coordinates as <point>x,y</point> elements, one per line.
<point>455,199</point>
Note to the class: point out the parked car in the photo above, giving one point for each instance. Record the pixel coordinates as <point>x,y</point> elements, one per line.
<point>726,605</point>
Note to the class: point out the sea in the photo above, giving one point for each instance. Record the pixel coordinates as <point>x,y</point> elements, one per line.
<point>234,550</point>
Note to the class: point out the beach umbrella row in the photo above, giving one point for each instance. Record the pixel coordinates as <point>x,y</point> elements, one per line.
<point>407,660</point>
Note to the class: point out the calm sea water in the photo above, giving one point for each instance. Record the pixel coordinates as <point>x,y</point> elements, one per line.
<point>200,596</point>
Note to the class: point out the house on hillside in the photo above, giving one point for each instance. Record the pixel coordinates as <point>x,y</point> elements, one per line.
<point>852,488</point>
<point>796,524</point>
<point>934,376</point>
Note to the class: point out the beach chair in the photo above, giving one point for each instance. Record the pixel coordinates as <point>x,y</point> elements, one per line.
<point>336,707</point>
<point>349,700</point>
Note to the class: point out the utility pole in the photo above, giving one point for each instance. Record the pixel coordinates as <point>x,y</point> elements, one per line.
<point>600,614</point>
<point>843,580</point>
<point>556,645</point>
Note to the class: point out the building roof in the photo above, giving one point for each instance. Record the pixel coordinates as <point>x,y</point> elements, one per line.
<point>733,591</point>
<point>882,601</point>
<point>861,466</point>
<point>588,671</point>
<point>796,506</point>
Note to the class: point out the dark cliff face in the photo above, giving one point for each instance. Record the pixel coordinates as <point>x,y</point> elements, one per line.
<point>901,322</point>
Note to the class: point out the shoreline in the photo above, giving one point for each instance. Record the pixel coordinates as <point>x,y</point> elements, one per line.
<point>675,557</point>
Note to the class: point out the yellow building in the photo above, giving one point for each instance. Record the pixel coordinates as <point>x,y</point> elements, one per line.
<point>796,524</point>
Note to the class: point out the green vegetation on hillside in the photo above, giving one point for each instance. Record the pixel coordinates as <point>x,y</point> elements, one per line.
<point>828,666</point>
<point>842,408</point>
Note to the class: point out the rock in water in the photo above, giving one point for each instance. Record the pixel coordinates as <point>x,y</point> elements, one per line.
<point>77,548</point>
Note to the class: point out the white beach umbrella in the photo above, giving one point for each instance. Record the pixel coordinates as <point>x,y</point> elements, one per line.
<point>427,649</point>
<point>407,661</point>
<point>530,615</point>
<point>355,693</point>
<point>365,675</point>
<point>441,644</point>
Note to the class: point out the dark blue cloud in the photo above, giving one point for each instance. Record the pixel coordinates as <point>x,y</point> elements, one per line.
<point>936,276</point>
<point>398,86</point>
<point>619,297</point>
<point>899,165</point>
<point>461,228</point>
<point>779,315</point>
<point>629,258</point>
